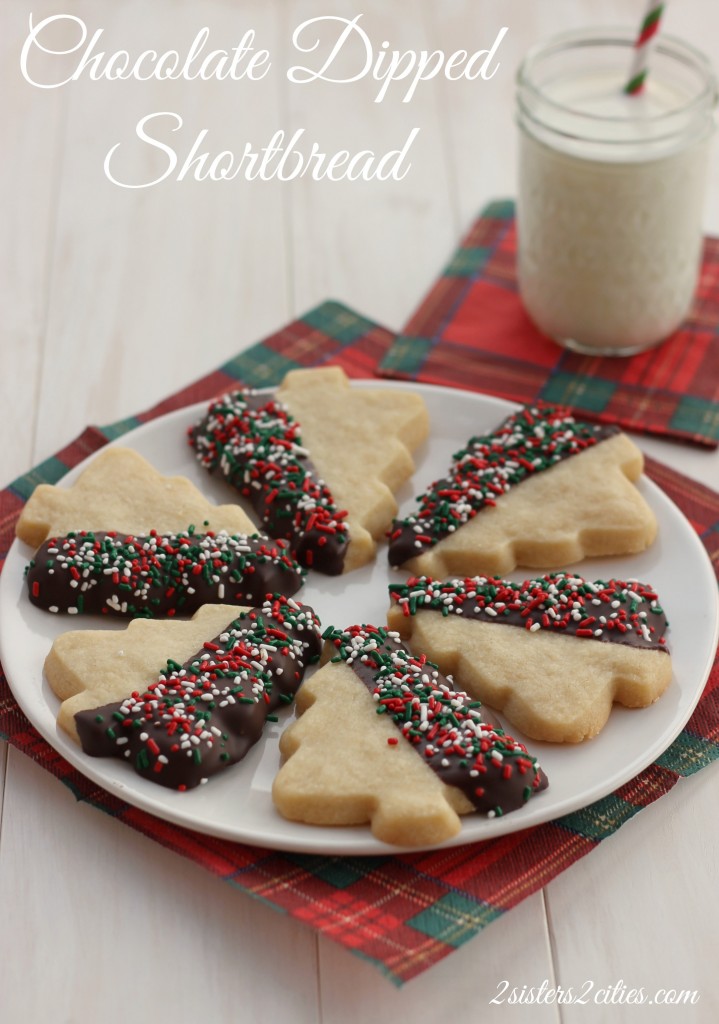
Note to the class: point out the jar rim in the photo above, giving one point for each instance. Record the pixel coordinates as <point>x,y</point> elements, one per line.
<point>667,45</point>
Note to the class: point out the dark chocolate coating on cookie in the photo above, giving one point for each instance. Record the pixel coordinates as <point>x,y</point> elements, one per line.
<point>610,611</point>
<point>255,444</point>
<point>158,575</point>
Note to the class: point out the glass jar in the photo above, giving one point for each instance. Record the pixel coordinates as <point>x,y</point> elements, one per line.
<point>611,189</point>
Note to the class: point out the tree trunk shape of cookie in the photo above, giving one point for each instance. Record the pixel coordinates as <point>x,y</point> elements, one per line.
<point>196,716</point>
<point>542,490</point>
<point>158,575</point>
<point>569,648</point>
<point>385,738</point>
<point>319,461</point>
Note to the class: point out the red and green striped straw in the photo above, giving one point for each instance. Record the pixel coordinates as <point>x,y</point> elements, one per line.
<point>642,45</point>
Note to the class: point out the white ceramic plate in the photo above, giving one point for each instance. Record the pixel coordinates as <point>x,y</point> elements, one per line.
<point>236,804</point>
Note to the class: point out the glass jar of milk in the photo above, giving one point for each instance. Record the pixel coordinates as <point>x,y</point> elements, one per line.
<point>611,189</point>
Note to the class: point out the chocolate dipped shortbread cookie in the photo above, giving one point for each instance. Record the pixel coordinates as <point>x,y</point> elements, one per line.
<point>180,701</point>
<point>319,461</point>
<point>383,737</point>
<point>552,654</point>
<point>541,491</point>
<point>133,542</point>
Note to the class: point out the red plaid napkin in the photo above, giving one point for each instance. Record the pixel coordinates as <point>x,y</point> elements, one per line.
<point>403,913</point>
<point>471,331</point>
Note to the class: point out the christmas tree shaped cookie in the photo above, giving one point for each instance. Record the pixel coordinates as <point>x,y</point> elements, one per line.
<point>318,460</point>
<point>552,654</point>
<point>126,540</point>
<point>542,491</point>
<point>384,738</point>
<point>179,701</point>
<point>121,491</point>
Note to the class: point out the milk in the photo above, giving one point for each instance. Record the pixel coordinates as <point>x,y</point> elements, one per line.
<point>611,191</point>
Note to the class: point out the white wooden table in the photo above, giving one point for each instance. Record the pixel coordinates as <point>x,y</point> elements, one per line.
<point>112,298</point>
